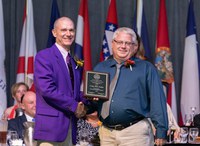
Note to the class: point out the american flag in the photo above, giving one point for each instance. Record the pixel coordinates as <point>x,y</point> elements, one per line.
<point>111,26</point>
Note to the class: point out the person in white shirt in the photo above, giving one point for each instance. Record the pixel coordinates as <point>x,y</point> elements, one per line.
<point>172,124</point>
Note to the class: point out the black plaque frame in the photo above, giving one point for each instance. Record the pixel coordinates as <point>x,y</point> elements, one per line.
<point>96,85</point>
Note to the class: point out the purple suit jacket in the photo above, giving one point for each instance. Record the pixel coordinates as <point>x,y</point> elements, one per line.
<point>56,101</point>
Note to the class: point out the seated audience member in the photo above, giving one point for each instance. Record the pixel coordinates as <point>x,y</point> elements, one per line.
<point>88,125</point>
<point>172,123</point>
<point>28,104</point>
<point>140,52</point>
<point>17,90</point>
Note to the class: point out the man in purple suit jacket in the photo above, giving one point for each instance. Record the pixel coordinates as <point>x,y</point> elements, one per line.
<point>59,100</point>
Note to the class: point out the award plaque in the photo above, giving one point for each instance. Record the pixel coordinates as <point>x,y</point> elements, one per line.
<point>96,85</point>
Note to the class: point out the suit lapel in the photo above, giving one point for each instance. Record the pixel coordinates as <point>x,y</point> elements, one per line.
<point>21,121</point>
<point>23,118</point>
<point>63,67</point>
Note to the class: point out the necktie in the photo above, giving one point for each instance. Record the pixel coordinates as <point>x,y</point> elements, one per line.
<point>68,60</point>
<point>106,105</point>
<point>33,120</point>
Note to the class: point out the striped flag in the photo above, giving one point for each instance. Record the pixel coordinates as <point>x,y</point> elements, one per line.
<point>140,26</point>
<point>27,48</point>
<point>54,15</point>
<point>111,26</point>
<point>190,75</point>
<point>82,41</point>
<point>163,58</point>
<point>3,98</point>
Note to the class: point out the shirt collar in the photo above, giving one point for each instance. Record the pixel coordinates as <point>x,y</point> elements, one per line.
<point>62,50</point>
<point>29,118</point>
<point>113,62</point>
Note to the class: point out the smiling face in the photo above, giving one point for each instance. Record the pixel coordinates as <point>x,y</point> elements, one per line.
<point>29,103</point>
<point>64,32</point>
<point>20,91</point>
<point>124,45</point>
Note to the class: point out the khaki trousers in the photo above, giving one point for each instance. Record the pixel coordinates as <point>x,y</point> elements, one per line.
<point>139,134</point>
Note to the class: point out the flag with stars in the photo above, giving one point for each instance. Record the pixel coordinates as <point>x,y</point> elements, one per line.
<point>111,26</point>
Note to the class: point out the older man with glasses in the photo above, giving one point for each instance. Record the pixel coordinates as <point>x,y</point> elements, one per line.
<point>136,93</point>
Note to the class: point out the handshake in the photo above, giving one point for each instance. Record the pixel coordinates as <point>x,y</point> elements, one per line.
<point>81,110</point>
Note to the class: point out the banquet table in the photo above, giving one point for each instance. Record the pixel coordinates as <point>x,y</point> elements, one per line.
<point>182,144</point>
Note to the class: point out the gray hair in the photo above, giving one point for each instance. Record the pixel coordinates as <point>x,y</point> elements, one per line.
<point>127,31</point>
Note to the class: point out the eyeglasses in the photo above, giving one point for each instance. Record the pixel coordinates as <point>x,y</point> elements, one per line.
<point>120,43</point>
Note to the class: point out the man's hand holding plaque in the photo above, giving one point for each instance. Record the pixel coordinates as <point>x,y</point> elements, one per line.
<point>96,85</point>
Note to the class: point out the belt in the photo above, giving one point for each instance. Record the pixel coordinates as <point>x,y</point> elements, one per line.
<point>123,126</point>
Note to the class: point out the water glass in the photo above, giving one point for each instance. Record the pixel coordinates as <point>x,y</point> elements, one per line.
<point>193,133</point>
<point>193,108</point>
<point>12,135</point>
<point>171,135</point>
<point>188,120</point>
<point>183,134</point>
